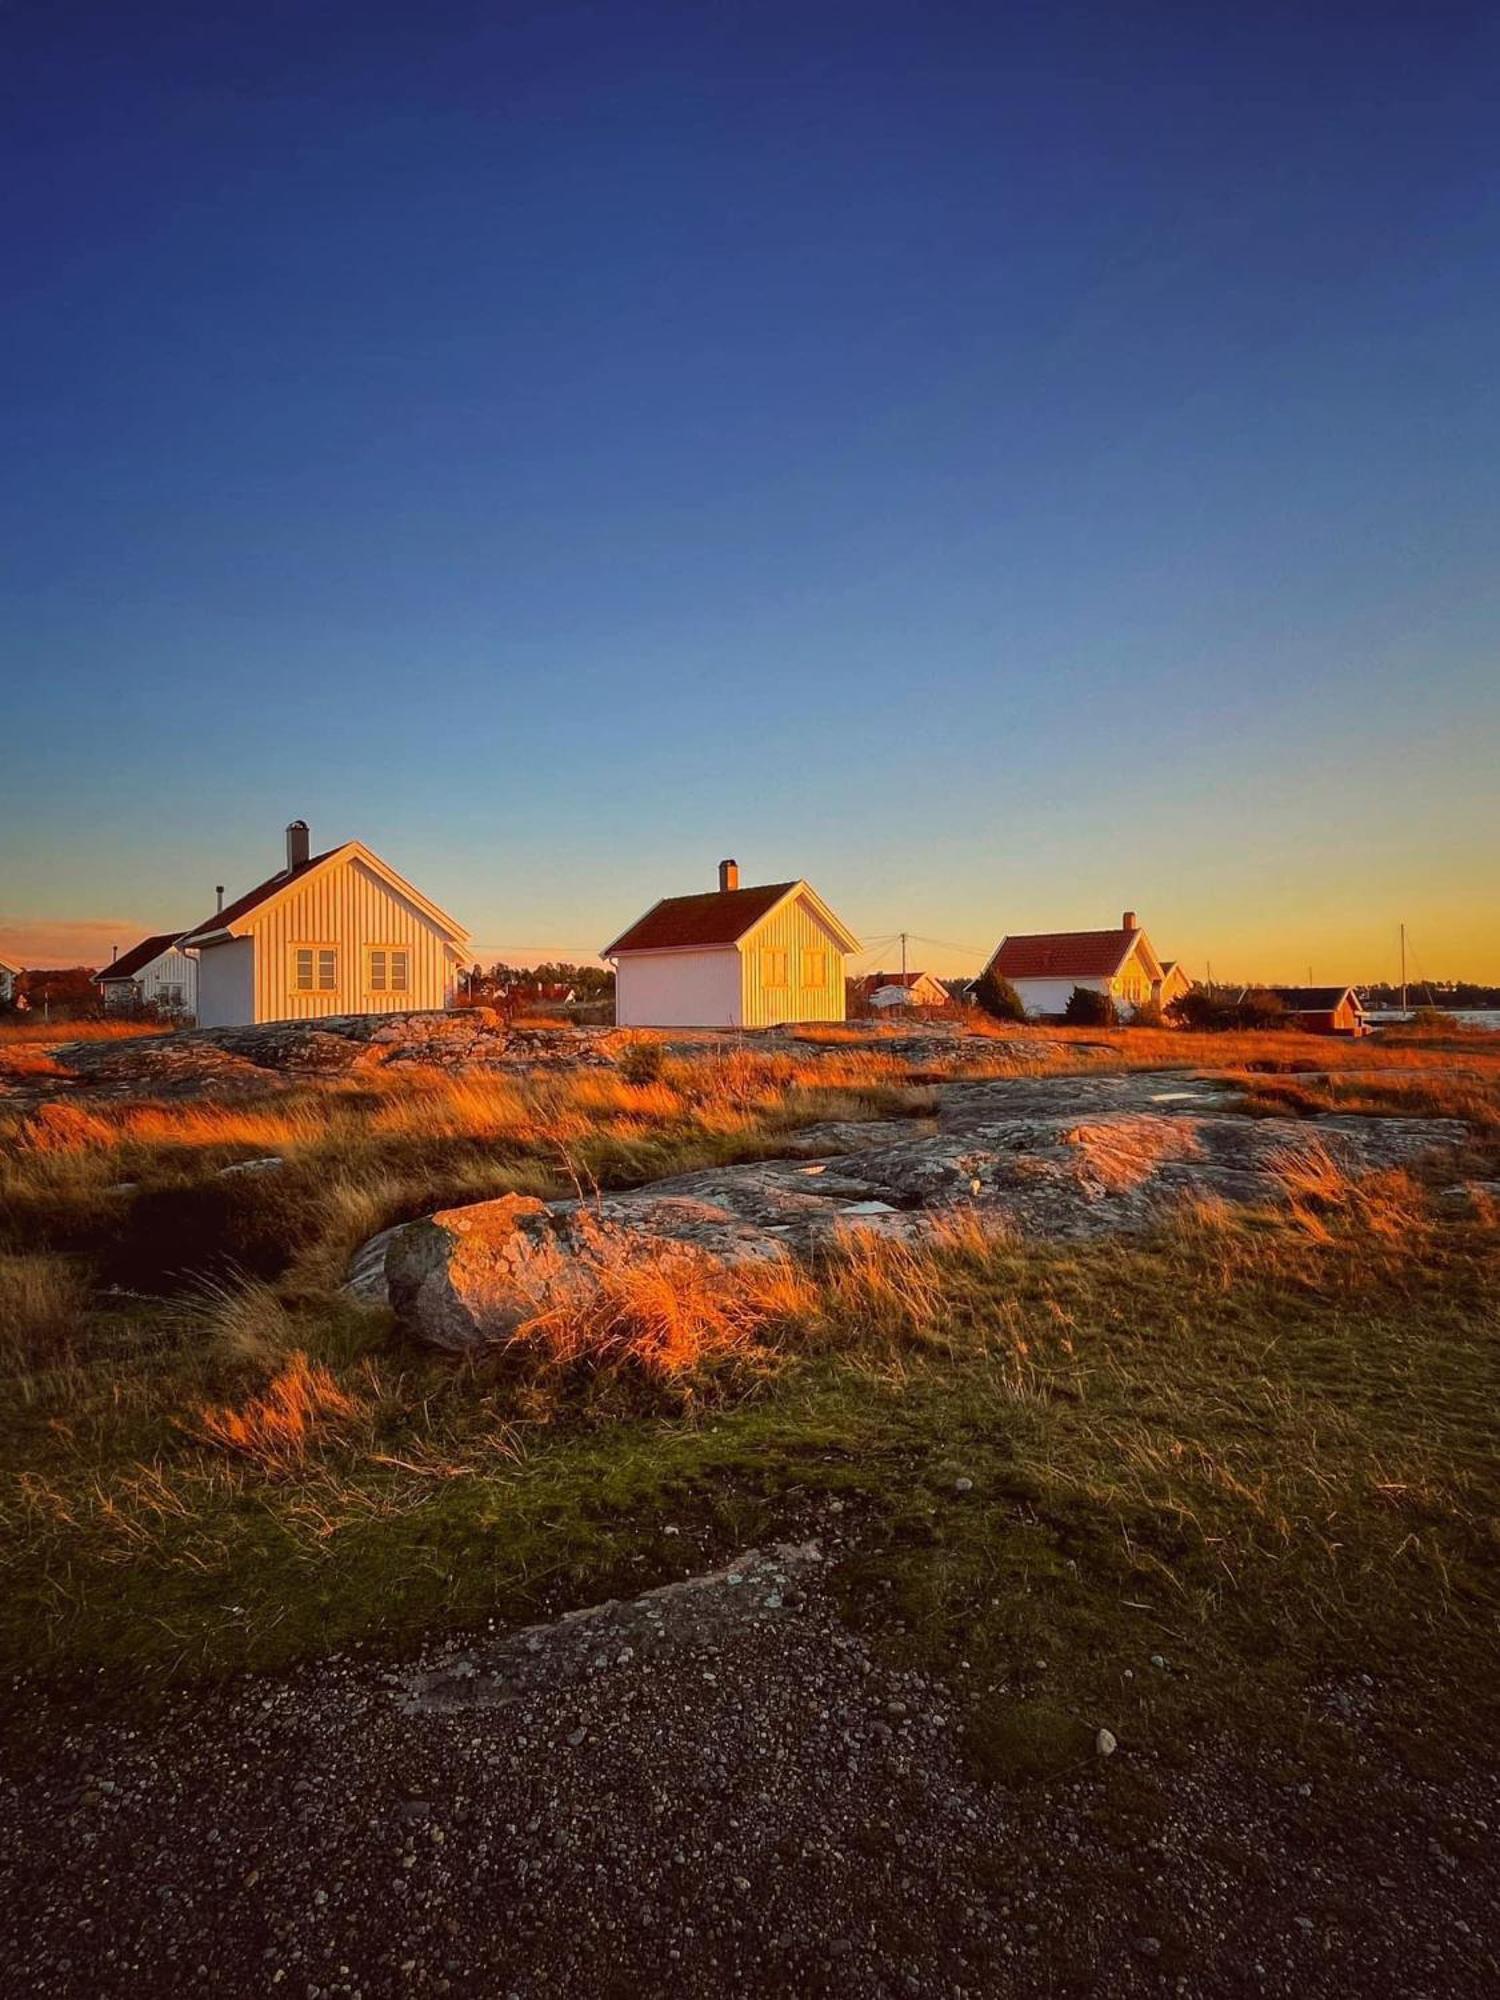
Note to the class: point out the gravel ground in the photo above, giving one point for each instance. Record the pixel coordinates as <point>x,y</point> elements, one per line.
<point>713,1790</point>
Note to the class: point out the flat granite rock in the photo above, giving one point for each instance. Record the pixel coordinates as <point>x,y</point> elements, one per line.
<point>1058,1158</point>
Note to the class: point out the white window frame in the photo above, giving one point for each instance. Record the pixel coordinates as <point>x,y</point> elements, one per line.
<point>316,955</point>
<point>388,955</point>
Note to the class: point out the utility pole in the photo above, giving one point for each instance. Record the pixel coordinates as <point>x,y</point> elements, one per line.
<point>1403,968</point>
<point>903,958</point>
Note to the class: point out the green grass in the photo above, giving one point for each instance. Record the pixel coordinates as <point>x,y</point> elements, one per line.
<point>1270,1461</point>
<point>1262,1447</point>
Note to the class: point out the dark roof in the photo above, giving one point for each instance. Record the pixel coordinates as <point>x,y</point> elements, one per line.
<point>139,955</point>
<point>252,898</point>
<point>722,916</point>
<point>1314,999</point>
<point>1063,954</point>
<point>873,981</point>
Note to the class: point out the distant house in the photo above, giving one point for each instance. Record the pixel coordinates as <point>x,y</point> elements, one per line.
<point>331,933</point>
<point>902,989</point>
<point>1322,1010</point>
<point>154,973</point>
<point>10,976</point>
<point>733,958</point>
<point>1045,967</point>
<point>1174,982</point>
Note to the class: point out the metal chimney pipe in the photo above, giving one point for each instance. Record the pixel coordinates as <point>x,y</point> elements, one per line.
<point>729,876</point>
<point>297,846</point>
<point>219,892</point>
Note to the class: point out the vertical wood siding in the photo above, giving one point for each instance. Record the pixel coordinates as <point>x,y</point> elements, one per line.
<point>348,909</point>
<point>173,968</point>
<point>794,929</point>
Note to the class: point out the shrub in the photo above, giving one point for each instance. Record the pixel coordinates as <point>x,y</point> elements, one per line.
<point>1146,1014</point>
<point>999,998</point>
<point>640,1062</point>
<point>1260,1008</point>
<point>1199,1009</point>
<point>1087,1008</point>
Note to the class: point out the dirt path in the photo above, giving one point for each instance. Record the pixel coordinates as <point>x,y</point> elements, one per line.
<point>714,1790</point>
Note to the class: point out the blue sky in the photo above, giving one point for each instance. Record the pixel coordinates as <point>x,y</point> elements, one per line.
<point>1002,464</point>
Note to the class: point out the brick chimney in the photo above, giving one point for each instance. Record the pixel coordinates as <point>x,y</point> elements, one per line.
<point>1130,921</point>
<point>729,876</point>
<point>298,844</point>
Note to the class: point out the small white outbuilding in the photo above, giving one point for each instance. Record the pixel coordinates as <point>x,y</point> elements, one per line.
<point>732,958</point>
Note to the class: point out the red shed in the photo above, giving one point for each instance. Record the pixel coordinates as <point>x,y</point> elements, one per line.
<point>1323,1010</point>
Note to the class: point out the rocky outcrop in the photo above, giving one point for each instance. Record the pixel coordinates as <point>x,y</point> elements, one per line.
<point>241,1062</point>
<point>230,1063</point>
<point>1057,1158</point>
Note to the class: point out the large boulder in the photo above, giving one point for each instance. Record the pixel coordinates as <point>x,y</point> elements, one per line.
<point>473,1276</point>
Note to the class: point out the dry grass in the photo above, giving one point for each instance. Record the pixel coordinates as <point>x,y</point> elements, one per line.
<point>24,1060</point>
<point>299,1408</point>
<point>668,1312</point>
<point>1273,1430</point>
<point>43,1309</point>
<point>30,1028</point>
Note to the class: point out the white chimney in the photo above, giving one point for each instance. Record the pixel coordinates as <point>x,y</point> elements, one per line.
<point>729,876</point>
<point>297,846</point>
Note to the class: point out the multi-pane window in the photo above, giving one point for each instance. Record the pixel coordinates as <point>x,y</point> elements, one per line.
<point>814,968</point>
<point>773,968</point>
<point>316,968</point>
<point>389,969</point>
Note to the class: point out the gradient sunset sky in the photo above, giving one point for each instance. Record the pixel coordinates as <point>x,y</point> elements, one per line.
<point>1005,464</point>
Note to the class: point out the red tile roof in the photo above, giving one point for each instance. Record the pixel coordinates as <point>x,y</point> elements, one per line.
<point>131,962</point>
<point>720,917</point>
<point>1063,954</point>
<point>253,898</point>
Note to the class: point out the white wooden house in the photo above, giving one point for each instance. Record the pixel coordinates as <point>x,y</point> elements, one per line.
<point>332,933</point>
<point>157,972</point>
<point>733,958</point>
<point>1045,966</point>
<point>10,977</point>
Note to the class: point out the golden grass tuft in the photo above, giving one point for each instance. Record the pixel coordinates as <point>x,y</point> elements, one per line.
<point>301,1406</point>
<point>66,1128</point>
<point>667,1311</point>
<point>27,1028</point>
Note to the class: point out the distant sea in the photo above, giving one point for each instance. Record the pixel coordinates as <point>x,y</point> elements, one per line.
<point>1472,1017</point>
